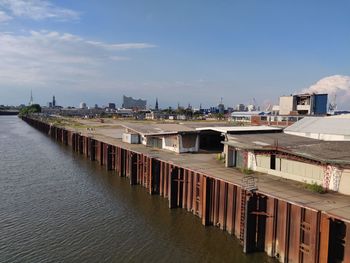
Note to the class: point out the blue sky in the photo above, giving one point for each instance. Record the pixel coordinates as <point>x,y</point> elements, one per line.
<point>179,51</point>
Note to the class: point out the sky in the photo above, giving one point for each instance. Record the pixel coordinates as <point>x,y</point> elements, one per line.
<point>183,51</point>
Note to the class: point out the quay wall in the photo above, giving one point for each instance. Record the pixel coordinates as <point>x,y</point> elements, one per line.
<point>284,230</point>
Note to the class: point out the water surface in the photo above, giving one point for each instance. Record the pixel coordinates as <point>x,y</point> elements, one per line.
<point>57,206</point>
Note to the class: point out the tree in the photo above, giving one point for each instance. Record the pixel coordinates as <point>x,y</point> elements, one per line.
<point>35,108</point>
<point>219,116</point>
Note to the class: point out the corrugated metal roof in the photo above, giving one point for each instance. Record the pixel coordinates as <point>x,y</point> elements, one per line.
<point>321,125</point>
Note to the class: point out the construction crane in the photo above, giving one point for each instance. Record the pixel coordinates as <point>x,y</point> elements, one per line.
<point>254,102</point>
<point>268,107</point>
<point>255,105</point>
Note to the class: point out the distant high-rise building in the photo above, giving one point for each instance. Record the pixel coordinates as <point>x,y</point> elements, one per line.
<point>82,105</point>
<point>213,110</point>
<point>130,103</point>
<point>53,101</point>
<point>111,106</point>
<point>221,107</point>
<point>240,107</point>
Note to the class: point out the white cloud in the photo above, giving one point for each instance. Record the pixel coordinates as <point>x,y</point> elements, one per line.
<point>119,58</point>
<point>43,58</point>
<point>338,85</point>
<point>38,10</point>
<point>4,17</point>
<point>124,46</point>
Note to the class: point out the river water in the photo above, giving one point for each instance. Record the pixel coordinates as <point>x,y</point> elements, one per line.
<point>57,206</point>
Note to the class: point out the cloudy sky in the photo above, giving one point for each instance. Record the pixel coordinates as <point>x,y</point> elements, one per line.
<point>183,51</point>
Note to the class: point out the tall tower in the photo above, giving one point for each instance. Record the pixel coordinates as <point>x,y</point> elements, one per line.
<point>53,101</point>
<point>31,102</point>
<point>156,107</point>
<point>221,107</point>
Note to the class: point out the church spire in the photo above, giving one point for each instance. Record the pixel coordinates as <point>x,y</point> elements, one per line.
<point>156,107</point>
<point>31,102</point>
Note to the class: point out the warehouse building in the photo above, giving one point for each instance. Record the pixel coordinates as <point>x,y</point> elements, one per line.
<point>292,157</point>
<point>173,137</point>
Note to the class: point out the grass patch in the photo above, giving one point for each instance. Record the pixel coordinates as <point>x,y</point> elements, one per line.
<point>246,171</point>
<point>316,188</point>
<point>220,157</point>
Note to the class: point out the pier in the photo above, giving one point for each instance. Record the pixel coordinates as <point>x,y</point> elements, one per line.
<point>287,222</point>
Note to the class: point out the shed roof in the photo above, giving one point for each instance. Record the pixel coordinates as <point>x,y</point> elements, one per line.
<point>158,129</point>
<point>321,125</point>
<point>337,152</point>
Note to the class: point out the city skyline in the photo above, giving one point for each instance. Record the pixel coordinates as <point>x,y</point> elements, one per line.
<point>183,51</point>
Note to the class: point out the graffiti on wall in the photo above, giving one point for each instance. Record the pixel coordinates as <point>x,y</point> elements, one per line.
<point>331,177</point>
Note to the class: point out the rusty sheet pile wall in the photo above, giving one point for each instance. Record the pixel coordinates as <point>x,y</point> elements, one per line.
<point>283,230</point>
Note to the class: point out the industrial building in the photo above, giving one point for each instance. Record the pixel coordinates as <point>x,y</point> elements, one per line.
<point>274,120</point>
<point>258,118</point>
<point>246,116</point>
<point>302,104</point>
<point>290,110</point>
<point>292,157</point>
<point>172,137</point>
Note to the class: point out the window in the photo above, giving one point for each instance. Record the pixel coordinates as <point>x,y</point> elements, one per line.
<point>273,162</point>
